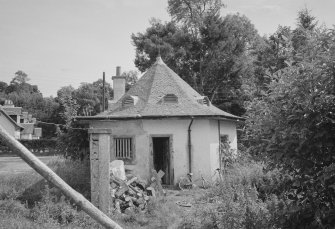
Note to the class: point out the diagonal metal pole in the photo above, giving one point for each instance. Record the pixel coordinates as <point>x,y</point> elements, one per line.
<point>52,177</point>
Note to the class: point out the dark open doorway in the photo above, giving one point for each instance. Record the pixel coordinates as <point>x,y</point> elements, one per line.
<point>162,157</point>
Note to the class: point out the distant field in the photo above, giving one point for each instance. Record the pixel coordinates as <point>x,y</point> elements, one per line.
<point>17,165</point>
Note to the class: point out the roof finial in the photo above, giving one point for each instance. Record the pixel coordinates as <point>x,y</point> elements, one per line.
<point>158,46</point>
<point>159,60</point>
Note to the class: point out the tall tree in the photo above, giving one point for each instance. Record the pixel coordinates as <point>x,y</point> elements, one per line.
<point>193,13</point>
<point>293,126</point>
<point>271,54</point>
<point>89,97</point>
<point>131,78</point>
<point>19,84</point>
<point>20,78</point>
<point>306,23</point>
<point>3,86</point>
<point>212,56</point>
<point>69,108</point>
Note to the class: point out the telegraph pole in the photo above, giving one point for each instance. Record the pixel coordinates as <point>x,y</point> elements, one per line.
<point>103,92</point>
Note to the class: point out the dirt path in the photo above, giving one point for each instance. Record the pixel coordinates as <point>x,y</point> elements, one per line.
<point>186,203</point>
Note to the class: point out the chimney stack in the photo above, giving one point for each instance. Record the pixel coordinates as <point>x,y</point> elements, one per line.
<point>119,84</point>
<point>8,103</point>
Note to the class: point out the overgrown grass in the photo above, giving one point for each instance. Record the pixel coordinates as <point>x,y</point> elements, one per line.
<point>28,201</point>
<point>248,196</point>
<point>236,201</point>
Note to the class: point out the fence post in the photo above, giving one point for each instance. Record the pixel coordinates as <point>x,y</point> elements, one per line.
<point>100,146</point>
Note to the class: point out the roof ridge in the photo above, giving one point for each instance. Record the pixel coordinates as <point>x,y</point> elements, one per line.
<point>151,82</point>
<point>149,92</point>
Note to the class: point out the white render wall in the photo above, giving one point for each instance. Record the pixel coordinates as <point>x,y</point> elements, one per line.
<point>179,130</point>
<point>132,128</point>
<point>226,128</point>
<point>205,143</point>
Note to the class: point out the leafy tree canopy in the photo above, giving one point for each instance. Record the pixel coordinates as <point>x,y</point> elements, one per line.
<point>292,122</point>
<point>131,78</point>
<point>212,55</point>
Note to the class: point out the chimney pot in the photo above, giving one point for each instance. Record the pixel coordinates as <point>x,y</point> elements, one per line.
<point>119,84</point>
<point>118,71</point>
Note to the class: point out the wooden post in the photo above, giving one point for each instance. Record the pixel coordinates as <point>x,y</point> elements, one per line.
<point>52,177</point>
<point>100,147</point>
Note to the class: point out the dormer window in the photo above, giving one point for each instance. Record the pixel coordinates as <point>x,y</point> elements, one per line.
<point>170,98</point>
<point>129,101</point>
<point>203,100</point>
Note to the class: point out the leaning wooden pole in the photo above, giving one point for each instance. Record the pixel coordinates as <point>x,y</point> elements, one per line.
<point>52,177</point>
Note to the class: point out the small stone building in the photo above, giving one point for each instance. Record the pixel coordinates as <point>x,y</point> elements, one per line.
<point>161,123</point>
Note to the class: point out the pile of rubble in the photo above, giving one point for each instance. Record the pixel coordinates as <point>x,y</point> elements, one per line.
<point>131,192</point>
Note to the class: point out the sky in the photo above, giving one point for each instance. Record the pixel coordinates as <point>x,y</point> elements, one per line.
<point>66,42</point>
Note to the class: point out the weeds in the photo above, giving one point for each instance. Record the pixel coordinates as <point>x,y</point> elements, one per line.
<point>247,197</point>
<point>236,201</point>
<point>28,201</point>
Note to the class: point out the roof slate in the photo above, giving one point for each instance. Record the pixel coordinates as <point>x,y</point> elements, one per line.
<point>158,81</point>
<point>28,128</point>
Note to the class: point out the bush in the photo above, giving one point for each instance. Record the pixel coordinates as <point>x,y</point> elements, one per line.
<point>236,202</point>
<point>292,125</point>
<point>39,144</point>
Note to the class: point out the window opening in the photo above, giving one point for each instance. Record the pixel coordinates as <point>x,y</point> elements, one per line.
<point>203,100</point>
<point>224,139</point>
<point>129,101</point>
<point>170,98</point>
<point>123,148</point>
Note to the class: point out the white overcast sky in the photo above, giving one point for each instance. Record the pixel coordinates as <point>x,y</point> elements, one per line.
<point>63,42</point>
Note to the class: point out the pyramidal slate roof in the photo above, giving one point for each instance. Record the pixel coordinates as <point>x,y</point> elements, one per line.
<point>147,98</point>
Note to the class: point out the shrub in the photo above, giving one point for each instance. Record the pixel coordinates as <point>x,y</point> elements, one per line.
<point>237,203</point>
<point>39,144</point>
<point>293,126</point>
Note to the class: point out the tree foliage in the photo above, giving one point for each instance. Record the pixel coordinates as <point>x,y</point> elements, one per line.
<point>210,52</point>
<point>131,78</point>
<point>20,78</point>
<point>192,13</point>
<point>3,86</point>
<point>28,97</point>
<point>292,123</point>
